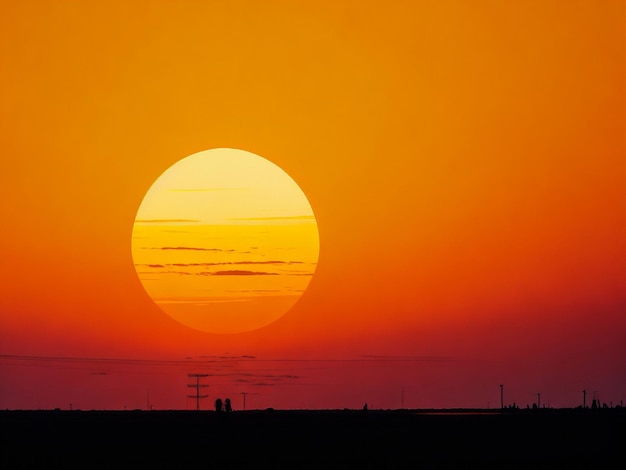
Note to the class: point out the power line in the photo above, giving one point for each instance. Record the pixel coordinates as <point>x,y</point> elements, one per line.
<point>206,360</point>
<point>197,386</point>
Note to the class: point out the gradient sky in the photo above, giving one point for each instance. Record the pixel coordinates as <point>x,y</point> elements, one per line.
<point>465,161</point>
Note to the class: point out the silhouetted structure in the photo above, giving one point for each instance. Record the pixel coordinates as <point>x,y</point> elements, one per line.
<point>197,386</point>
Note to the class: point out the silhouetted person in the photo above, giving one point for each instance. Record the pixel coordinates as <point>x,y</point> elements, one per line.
<point>227,406</point>
<point>365,407</point>
<point>218,405</point>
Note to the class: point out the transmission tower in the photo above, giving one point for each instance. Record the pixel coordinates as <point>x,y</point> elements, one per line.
<point>197,386</point>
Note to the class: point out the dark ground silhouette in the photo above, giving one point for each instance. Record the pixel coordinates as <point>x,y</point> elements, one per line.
<point>422,439</point>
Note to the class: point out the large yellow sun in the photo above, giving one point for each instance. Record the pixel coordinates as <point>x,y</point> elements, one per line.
<point>225,241</point>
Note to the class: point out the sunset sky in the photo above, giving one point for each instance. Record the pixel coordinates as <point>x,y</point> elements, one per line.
<point>464,163</point>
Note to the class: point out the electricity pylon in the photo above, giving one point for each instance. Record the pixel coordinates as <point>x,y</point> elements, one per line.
<point>197,386</point>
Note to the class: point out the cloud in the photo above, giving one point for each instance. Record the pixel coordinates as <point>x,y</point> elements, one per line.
<point>169,271</point>
<point>238,272</point>
<point>262,262</point>
<point>265,262</point>
<point>47,360</point>
<point>275,377</point>
<point>261,290</point>
<point>218,359</point>
<point>204,190</point>
<point>201,301</point>
<point>221,263</point>
<point>226,356</point>
<point>165,221</point>
<point>184,248</point>
<point>372,357</point>
<point>190,248</point>
<point>290,217</point>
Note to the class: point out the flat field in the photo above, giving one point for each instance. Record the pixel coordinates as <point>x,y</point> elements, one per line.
<point>423,439</point>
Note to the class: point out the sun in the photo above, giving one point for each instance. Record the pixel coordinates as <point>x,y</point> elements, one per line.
<point>225,241</point>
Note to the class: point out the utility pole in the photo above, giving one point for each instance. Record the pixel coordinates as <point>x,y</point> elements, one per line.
<point>584,399</point>
<point>244,400</point>
<point>501,396</point>
<point>197,386</point>
<point>538,400</point>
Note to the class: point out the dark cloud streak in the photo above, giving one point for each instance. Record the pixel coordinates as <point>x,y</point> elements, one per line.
<point>165,221</point>
<point>239,272</point>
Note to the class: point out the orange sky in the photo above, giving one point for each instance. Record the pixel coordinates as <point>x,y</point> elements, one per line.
<point>465,162</point>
